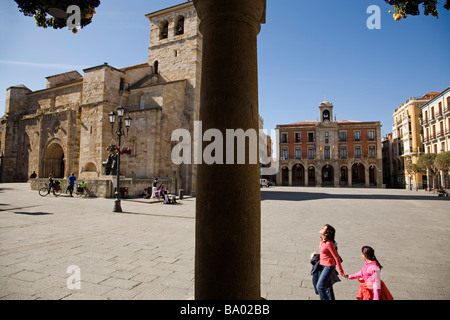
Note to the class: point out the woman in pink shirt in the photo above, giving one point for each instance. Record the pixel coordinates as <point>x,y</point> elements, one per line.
<point>372,287</point>
<point>329,258</point>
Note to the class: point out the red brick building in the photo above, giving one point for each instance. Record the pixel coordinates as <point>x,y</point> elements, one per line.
<point>330,153</point>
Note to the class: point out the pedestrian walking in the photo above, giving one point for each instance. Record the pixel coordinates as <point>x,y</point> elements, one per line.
<point>371,286</point>
<point>326,274</point>
<point>154,189</point>
<point>71,185</point>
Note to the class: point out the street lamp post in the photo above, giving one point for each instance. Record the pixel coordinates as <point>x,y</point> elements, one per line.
<point>119,133</point>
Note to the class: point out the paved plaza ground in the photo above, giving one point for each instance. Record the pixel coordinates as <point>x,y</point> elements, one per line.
<point>147,252</point>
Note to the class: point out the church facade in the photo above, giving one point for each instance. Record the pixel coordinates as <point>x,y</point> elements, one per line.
<point>64,128</point>
<point>330,153</point>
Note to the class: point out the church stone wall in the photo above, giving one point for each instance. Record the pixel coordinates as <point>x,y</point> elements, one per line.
<point>65,127</point>
<point>90,151</point>
<point>93,85</point>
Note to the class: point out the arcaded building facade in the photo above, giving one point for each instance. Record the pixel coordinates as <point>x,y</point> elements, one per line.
<point>330,153</point>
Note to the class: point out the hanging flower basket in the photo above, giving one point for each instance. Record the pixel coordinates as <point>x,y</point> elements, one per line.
<point>125,150</point>
<point>113,149</point>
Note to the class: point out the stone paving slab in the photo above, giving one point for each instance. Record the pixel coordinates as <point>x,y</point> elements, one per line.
<point>147,252</point>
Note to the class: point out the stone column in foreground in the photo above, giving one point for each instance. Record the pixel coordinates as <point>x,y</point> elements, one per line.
<point>228,212</point>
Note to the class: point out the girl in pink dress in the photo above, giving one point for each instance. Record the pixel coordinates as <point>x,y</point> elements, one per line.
<point>372,287</point>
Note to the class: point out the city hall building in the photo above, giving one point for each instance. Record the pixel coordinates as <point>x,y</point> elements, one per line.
<point>330,153</point>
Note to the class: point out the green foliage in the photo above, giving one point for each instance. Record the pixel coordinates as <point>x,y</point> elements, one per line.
<point>426,161</point>
<point>413,168</point>
<point>52,13</point>
<point>403,8</point>
<point>442,161</point>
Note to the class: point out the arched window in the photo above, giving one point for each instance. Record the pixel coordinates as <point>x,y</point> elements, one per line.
<point>326,115</point>
<point>164,30</point>
<point>179,26</point>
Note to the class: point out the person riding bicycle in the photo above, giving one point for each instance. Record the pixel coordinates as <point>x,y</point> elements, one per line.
<point>50,184</point>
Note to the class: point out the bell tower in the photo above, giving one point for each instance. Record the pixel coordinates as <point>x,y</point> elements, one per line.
<point>326,112</point>
<point>175,54</point>
<point>175,43</point>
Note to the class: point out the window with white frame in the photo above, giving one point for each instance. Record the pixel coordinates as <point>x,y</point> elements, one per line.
<point>343,152</point>
<point>310,152</point>
<point>372,152</point>
<point>284,153</point>
<point>357,151</point>
<point>327,152</point>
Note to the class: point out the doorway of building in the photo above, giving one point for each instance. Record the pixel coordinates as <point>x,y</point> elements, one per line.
<point>284,176</point>
<point>358,175</point>
<point>311,176</point>
<point>53,161</point>
<point>298,175</point>
<point>327,176</point>
<point>344,177</point>
<point>372,176</point>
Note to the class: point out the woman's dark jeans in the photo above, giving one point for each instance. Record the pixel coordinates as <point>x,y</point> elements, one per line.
<point>325,284</point>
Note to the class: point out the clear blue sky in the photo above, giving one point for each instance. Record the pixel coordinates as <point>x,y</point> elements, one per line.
<point>308,51</point>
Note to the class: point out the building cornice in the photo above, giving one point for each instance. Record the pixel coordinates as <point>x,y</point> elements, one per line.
<point>441,95</point>
<point>176,8</point>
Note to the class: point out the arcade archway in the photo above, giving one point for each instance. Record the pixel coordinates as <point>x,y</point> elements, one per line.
<point>298,175</point>
<point>358,175</point>
<point>327,176</point>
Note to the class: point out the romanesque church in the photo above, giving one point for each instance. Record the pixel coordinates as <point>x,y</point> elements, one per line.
<point>65,128</point>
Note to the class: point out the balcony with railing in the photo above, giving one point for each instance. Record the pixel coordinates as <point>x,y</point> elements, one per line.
<point>446,110</point>
<point>429,138</point>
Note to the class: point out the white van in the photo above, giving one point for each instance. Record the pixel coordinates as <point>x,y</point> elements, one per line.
<point>263,182</point>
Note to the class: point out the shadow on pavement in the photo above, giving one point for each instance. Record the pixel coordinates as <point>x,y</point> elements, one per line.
<point>33,213</point>
<point>303,196</point>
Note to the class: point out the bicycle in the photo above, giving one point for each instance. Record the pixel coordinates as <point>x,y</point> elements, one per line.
<point>79,189</point>
<point>45,191</point>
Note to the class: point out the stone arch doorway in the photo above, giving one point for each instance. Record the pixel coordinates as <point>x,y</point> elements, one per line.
<point>344,177</point>
<point>358,175</point>
<point>327,176</point>
<point>311,176</point>
<point>285,176</point>
<point>372,176</point>
<point>298,175</point>
<point>53,161</point>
